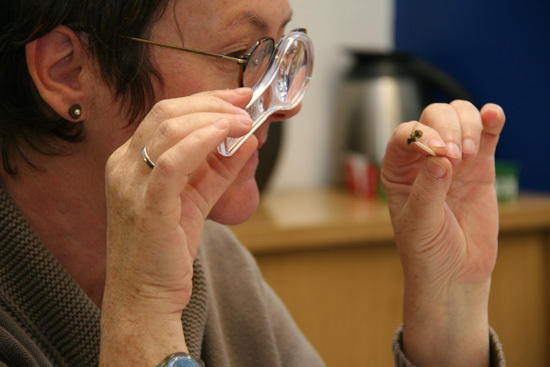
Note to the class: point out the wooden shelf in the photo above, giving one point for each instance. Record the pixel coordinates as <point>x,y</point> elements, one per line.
<point>329,217</point>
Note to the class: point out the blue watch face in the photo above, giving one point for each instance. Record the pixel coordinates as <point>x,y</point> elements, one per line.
<point>183,361</point>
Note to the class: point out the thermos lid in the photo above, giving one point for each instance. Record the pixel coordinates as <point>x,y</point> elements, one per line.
<point>368,64</point>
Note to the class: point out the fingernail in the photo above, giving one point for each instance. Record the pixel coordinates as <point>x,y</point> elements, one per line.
<point>242,91</point>
<point>246,121</point>
<point>435,169</point>
<point>240,111</point>
<point>469,146</point>
<point>221,124</point>
<point>453,151</point>
<point>436,143</point>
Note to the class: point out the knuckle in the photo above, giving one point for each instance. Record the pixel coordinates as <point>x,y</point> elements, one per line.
<point>210,98</point>
<point>466,110</point>
<point>434,110</point>
<point>112,179</point>
<point>469,115</point>
<point>112,168</point>
<point>111,162</point>
<point>441,116</point>
<point>166,165</point>
<point>217,103</point>
<point>168,128</point>
<point>463,104</point>
<point>164,109</point>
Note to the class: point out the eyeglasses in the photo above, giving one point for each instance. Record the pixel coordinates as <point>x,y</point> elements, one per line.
<point>278,75</point>
<point>253,64</point>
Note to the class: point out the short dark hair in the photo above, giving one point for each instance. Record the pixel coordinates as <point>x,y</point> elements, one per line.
<point>125,66</point>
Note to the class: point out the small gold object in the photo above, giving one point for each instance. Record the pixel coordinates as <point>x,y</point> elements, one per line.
<point>415,135</point>
<point>413,138</point>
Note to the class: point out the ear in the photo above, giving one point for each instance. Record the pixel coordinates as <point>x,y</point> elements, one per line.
<point>57,63</point>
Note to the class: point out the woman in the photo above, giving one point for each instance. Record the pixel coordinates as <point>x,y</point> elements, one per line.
<point>117,201</point>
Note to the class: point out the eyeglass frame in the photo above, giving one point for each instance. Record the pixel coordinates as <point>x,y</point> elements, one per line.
<point>242,61</point>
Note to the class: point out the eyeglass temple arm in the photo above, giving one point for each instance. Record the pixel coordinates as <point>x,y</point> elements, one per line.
<point>236,59</point>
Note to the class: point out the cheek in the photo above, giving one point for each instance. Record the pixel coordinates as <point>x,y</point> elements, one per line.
<point>178,83</point>
<point>190,75</point>
<point>241,199</point>
<point>237,204</point>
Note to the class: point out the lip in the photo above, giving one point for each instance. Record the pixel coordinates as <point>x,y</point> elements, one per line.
<point>261,143</point>
<point>263,131</point>
<point>253,162</point>
<point>261,135</point>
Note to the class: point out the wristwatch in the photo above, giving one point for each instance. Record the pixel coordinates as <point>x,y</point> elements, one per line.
<point>180,359</point>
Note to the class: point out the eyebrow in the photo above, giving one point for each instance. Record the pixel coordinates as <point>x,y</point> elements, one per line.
<point>257,21</point>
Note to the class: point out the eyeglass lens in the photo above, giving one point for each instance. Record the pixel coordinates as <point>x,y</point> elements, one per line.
<point>258,62</point>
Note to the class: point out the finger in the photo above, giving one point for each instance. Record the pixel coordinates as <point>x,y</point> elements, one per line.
<point>493,119</point>
<point>167,180</point>
<point>221,101</point>
<point>237,97</point>
<point>170,132</point>
<point>222,171</point>
<point>443,118</point>
<point>470,120</point>
<point>429,191</point>
<point>401,159</point>
<point>401,142</point>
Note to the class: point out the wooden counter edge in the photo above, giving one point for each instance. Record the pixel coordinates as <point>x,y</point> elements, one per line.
<point>368,222</point>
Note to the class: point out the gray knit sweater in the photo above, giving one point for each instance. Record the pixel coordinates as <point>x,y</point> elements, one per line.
<point>233,319</point>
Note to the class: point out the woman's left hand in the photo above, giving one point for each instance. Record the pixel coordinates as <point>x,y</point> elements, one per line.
<point>445,217</point>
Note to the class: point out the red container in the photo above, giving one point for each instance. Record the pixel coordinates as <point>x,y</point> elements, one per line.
<point>361,176</point>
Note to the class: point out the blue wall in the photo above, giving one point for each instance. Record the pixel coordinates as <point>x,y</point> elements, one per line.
<point>499,50</point>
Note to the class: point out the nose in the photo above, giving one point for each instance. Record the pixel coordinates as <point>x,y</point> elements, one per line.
<point>285,114</point>
<point>262,131</point>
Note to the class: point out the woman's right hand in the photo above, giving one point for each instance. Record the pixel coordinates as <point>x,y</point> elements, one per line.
<point>155,216</point>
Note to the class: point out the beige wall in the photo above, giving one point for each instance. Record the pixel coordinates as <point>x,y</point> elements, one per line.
<point>332,25</point>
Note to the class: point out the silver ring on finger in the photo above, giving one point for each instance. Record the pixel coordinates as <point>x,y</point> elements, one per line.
<point>146,157</point>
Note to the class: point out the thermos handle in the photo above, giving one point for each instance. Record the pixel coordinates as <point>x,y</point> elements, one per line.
<point>435,78</point>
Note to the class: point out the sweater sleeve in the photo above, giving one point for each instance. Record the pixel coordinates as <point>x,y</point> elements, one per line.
<point>496,353</point>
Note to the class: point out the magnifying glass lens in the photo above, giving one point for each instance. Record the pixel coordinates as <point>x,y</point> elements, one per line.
<point>278,81</point>
<point>293,73</point>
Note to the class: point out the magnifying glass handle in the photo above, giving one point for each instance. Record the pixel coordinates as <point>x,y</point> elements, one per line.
<point>230,145</point>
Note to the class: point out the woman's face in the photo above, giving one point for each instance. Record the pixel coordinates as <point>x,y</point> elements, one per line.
<point>223,27</point>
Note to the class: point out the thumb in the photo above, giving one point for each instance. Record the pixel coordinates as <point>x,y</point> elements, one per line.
<point>429,191</point>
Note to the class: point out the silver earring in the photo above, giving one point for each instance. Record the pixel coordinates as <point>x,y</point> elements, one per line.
<point>75,111</point>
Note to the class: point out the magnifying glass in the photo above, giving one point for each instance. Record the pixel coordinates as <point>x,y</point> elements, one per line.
<point>281,86</point>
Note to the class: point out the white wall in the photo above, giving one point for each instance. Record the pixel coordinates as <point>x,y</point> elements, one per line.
<point>333,25</point>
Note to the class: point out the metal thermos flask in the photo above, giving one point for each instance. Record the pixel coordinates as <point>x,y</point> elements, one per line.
<point>379,91</point>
